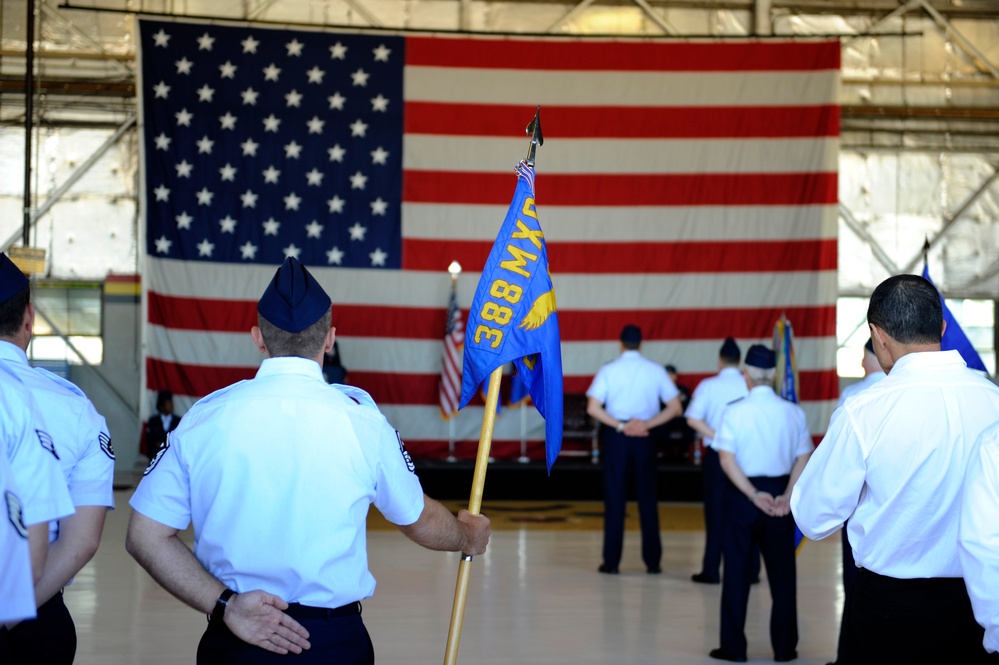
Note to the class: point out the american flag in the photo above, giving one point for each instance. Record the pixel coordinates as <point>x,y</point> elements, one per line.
<point>687,187</point>
<point>454,340</point>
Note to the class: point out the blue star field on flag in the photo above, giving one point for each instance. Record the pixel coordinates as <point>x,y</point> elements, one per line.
<point>262,144</point>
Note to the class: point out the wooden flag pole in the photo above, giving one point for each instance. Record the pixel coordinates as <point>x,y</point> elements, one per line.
<point>474,506</point>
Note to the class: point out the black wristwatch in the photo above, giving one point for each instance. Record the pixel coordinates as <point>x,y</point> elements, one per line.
<point>218,612</point>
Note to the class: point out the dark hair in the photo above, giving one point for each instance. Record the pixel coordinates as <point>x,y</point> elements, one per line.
<point>304,344</point>
<point>908,308</point>
<point>12,312</point>
<point>671,369</point>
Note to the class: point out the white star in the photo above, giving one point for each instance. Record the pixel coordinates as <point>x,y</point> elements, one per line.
<point>205,197</point>
<point>314,229</point>
<point>161,38</point>
<point>161,89</point>
<point>205,42</point>
<point>271,123</point>
<point>360,77</point>
<point>205,248</point>
<point>271,72</point>
<point>162,141</point>
<point>379,103</point>
<point>315,177</point>
<point>292,150</point>
<point>271,175</point>
<point>336,101</point>
<point>378,206</point>
<point>294,98</point>
<point>183,118</point>
<point>334,256</point>
<point>336,204</point>
<point>357,231</point>
<point>315,75</point>
<point>184,66</point>
<point>249,250</point>
<point>228,224</point>
<point>228,121</point>
<point>378,257</point>
<point>315,125</point>
<point>271,227</point>
<point>358,180</point>
<point>163,245</point>
<point>204,145</point>
<point>227,70</point>
<point>184,169</point>
<point>381,53</point>
<point>358,128</point>
<point>250,96</point>
<point>337,153</point>
<point>249,199</point>
<point>291,251</point>
<point>162,193</point>
<point>250,46</point>
<point>291,201</point>
<point>379,155</point>
<point>205,93</point>
<point>338,51</point>
<point>184,220</point>
<point>294,47</point>
<point>249,147</point>
<point>228,172</point>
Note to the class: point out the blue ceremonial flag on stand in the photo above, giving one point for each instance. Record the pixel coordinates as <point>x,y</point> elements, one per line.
<point>513,315</point>
<point>518,392</point>
<point>954,338</point>
<point>786,382</point>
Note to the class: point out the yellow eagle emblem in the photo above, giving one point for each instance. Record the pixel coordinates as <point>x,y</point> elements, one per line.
<point>540,311</point>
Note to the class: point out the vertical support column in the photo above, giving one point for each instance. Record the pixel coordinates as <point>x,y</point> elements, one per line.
<point>29,112</point>
<point>762,24</point>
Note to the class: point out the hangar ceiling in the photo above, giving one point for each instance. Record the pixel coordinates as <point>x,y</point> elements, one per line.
<point>920,110</point>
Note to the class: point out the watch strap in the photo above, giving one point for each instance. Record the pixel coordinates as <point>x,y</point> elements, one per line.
<point>218,612</point>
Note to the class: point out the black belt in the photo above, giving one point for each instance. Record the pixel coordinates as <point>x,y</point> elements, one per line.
<point>885,582</point>
<point>297,611</point>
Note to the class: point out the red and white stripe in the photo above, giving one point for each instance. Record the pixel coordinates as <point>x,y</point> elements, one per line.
<point>689,188</point>
<point>451,358</point>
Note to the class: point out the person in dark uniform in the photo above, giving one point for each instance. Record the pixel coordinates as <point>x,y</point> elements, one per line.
<point>763,445</point>
<point>159,424</point>
<point>625,398</point>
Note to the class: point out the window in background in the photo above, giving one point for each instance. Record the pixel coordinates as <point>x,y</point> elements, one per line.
<point>70,308</point>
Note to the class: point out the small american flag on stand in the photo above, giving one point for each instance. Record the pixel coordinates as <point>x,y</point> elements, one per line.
<point>454,341</point>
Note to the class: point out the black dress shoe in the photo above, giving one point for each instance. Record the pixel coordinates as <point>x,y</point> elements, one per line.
<point>787,658</point>
<point>721,654</point>
<point>654,570</point>
<point>604,568</point>
<point>701,578</point>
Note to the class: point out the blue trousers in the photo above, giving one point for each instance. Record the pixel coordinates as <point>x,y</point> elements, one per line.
<point>622,457</point>
<point>715,483</point>
<point>746,527</point>
<point>50,638</point>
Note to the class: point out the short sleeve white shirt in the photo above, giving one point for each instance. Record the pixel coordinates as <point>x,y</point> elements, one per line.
<point>80,434</point>
<point>765,432</point>
<point>32,454</point>
<point>277,474</point>
<point>979,534</point>
<point>859,386</point>
<point>632,386</point>
<point>17,591</point>
<point>715,393</point>
<point>893,463</point>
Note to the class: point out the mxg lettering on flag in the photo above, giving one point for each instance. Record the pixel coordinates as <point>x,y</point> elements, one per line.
<point>689,188</point>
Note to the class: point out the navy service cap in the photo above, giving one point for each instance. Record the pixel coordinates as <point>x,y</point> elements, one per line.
<point>631,334</point>
<point>294,300</point>
<point>761,357</point>
<point>12,280</point>
<point>729,349</point>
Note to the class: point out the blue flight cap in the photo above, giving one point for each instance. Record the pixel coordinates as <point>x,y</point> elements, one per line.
<point>631,334</point>
<point>294,300</point>
<point>12,280</point>
<point>869,346</point>
<point>761,357</point>
<point>729,349</point>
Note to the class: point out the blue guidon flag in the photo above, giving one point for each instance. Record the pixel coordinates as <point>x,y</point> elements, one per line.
<point>513,315</point>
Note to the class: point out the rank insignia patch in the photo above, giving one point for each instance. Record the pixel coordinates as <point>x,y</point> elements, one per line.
<point>155,460</point>
<point>15,513</point>
<point>106,446</point>
<point>47,442</point>
<point>405,454</point>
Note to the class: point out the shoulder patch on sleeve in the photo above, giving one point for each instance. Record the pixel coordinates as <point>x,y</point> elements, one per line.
<point>47,442</point>
<point>156,458</point>
<point>405,454</point>
<point>105,442</point>
<point>15,513</point>
<point>65,383</point>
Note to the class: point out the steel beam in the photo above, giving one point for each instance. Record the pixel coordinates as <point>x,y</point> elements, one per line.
<point>858,230</point>
<point>977,58</point>
<point>578,9</point>
<point>655,18</point>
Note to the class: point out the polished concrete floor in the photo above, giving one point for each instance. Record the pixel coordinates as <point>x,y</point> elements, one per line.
<point>535,597</point>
